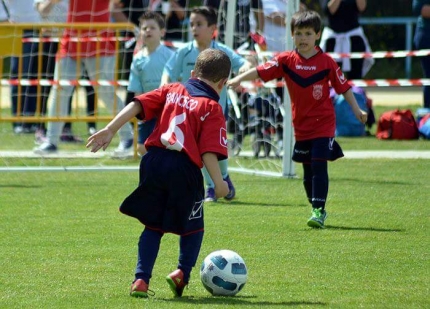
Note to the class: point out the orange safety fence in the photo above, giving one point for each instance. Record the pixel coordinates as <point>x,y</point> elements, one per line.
<point>12,39</point>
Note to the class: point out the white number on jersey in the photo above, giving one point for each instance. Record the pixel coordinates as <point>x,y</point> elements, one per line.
<point>173,138</point>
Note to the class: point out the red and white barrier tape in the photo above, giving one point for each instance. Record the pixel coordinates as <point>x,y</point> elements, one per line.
<point>62,82</point>
<point>85,82</point>
<point>357,82</point>
<point>176,44</point>
<point>57,39</point>
<point>375,55</point>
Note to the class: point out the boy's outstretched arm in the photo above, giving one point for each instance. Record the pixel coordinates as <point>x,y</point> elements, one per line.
<point>102,138</point>
<point>211,163</point>
<point>245,67</point>
<point>359,113</point>
<point>248,75</point>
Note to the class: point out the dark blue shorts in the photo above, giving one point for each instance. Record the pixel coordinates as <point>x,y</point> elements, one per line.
<point>170,194</point>
<point>324,148</point>
<point>145,129</point>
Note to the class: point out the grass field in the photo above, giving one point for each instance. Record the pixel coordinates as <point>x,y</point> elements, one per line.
<point>65,245</point>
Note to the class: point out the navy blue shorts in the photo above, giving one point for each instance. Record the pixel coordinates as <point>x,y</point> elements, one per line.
<point>323,148</point>
<point>145,129</point>
<point>170,194</point>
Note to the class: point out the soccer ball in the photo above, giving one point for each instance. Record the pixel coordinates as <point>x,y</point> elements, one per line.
<point>223,273</point>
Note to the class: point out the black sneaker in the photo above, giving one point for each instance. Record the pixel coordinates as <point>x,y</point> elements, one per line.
<point>68,137</point>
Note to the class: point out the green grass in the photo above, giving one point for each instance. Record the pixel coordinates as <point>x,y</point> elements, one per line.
<point>65,245</point>
<point>25,142</point>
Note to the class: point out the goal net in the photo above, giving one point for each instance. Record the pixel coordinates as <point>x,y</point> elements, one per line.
<point>259,119</point>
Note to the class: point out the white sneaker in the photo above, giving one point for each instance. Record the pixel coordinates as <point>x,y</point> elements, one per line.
<point>45,148</point>
<point>124,148</point>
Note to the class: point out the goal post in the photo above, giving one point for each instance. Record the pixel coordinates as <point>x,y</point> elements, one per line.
<point>288,168</point>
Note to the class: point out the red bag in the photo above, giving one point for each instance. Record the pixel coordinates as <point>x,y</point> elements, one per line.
<point>397,124</point>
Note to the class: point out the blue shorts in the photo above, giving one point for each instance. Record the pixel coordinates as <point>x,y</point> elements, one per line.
<point>323,149</point>
<point>145,129</point>
<point>170,194</point>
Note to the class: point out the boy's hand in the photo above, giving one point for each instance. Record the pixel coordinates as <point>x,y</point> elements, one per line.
<point>100,139</point>
<point>233,83</point>
<point>221,190</point>
<point>361,116</point>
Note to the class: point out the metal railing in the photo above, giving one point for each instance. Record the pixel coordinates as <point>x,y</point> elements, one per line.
<point>408,22</point>
<point>12,38</point>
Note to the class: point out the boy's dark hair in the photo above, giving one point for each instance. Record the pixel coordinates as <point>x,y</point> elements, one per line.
<point>155,16</point>
<point>213,65</point>
<point>306,19</point>
<point>208,12</point>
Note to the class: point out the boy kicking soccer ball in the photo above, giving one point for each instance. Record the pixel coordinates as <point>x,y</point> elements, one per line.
<point>308,73</point>
<point>190,131</point>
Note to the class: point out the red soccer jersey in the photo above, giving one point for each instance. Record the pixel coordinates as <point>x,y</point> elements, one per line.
<point>189,119</point>
<point>87,11</point>
<point>308,82</point>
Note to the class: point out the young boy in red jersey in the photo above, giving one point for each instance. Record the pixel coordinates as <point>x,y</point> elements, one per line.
<point>190,131</point>
<point>308,73</point>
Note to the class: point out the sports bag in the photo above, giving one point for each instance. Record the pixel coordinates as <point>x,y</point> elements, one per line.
<point>424,126</point>
<point>397,124</point>
<point>346,122</point>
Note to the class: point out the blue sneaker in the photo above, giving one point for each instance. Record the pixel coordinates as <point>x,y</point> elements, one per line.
<point>232,191</point>
<point>317,219</point>
<point>210,195</point>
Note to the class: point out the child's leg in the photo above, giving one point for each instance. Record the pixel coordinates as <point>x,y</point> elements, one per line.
<point>91,99</point>
<point>223,165</point>
<point>208,181</point>
<point>149,244</point>
<point>189,249</point>
<point>307,180</point>
<point>319,183</point>
<point>210,193</point>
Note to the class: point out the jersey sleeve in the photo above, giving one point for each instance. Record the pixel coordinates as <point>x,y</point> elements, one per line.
<point>173,67</point>
<point>237,61</point>
<point>271,69</point>
<point>337,78</point>
<point>152,103</point>
<point>213,135</point>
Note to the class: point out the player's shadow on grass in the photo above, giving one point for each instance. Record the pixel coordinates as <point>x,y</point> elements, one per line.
<point>240,300</point>
<point>19,186</point>
<point>371,229</point>
<point>241,203</point>
<point>378,182</point>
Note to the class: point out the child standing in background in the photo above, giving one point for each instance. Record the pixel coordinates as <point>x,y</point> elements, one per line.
<point>203,22</point>
<point>147,66</point>
<point>308,72</point>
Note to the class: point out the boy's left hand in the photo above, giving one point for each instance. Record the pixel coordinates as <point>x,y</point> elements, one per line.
<point>361,116</point>
<point>233,83</point>
<point>100,139</point>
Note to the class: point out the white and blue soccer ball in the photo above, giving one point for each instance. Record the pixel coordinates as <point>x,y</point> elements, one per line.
<point>223,273</point>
